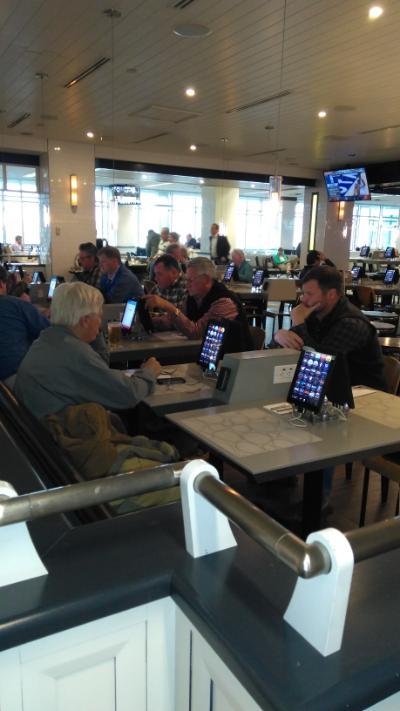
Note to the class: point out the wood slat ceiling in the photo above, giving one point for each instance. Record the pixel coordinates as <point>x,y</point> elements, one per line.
<point>334,58</point>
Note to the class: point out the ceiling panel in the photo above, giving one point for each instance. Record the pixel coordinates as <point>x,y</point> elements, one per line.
<point>325,52</point>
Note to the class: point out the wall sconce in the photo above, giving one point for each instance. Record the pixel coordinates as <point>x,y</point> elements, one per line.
<point>341,208</point>
<point>73,199</point>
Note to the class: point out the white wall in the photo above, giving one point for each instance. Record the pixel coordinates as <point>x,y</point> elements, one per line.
<point>69,228</point>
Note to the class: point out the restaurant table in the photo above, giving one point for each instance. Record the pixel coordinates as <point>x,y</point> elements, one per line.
<point>166,346</point>
<point>196,391</point>
<point>267,446</point>
<point>390,344</point>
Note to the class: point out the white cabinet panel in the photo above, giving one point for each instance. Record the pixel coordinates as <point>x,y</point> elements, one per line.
<point>202,677</point>
<point>105,673</point>
<point>124,662</point>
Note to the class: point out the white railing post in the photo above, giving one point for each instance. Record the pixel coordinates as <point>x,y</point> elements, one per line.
<point>19,557</point>
<point>317,609</point>
<point>206,529</point>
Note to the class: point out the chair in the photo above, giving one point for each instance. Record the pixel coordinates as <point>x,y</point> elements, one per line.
<point>283,291</point>
<point>258,336</point>
<point>365,297</point>
<point>387,466</point>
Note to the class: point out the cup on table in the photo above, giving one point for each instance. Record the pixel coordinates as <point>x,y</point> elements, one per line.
<point>114,331</point>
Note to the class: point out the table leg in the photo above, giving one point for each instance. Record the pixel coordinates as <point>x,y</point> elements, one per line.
<point>217,462</point>
<point>312,501</point>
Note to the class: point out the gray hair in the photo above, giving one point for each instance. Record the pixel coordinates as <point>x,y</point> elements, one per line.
<point>239,252</point>
<point>203,265</point>
<point>73,301</point>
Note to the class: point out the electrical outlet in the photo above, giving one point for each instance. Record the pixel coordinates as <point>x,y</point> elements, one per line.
<point>284,373</point>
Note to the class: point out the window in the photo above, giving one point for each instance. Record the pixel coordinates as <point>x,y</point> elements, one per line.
<point>20,204</point>
<point>376,225</point>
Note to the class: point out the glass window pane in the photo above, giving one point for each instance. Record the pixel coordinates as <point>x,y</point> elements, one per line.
<point>21,177</point>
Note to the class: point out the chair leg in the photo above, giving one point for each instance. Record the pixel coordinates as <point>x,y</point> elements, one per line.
<point>364,497</point>
<point>397,502</point>
<point>384,489</point>
<point>349,470</point>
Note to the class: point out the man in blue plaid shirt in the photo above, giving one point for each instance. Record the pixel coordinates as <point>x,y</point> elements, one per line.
<point>171,283</point>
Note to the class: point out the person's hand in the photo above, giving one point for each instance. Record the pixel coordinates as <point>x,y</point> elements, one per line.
<point>301,312</point>
<point>157,302</point>
<point>153,365</point>
<point>288,339</point>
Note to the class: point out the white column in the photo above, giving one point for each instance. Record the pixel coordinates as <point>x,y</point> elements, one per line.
<point>68,228</point>
<point>226,206</point>
<point>287,224</point>
<point>337,237</point>
<point>207,215</point>
<point>320,221</point>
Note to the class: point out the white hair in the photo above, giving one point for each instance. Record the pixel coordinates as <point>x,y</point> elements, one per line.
<point>239,252</point>
<point>202,265</point>
<point>72,301</point>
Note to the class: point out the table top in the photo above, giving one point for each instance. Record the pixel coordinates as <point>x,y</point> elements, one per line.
<point>380,315</point>
<point>375,260</point>
<point>268,446</point>
<point>376,286</point>
<point>163,345</point>
<point>197,391</point>
<point>390,342</point>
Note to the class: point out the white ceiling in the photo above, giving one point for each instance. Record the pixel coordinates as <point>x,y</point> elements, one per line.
<point>334,58</point>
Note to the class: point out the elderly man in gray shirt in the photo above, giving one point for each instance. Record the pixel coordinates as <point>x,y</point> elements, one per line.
<point>61,368</point>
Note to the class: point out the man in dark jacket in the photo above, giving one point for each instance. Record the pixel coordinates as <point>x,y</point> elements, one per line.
<point>219,245</point>
<point>117,284</point>
<point>328,322</point>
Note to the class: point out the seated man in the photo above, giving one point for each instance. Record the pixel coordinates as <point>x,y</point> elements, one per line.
<point>328,322</point>
<point>171,283</point>
<point>164,241</point>
<point>117,284</point>
<point>61,369</point>
<point>207,299</point>
<point>20,324</point>
<point>89,262</point>
<point>243,271</point>
<point>315,259</point>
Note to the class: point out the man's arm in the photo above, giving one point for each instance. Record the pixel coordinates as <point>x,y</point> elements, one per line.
<point>346,335</point>
<point>34,320</point>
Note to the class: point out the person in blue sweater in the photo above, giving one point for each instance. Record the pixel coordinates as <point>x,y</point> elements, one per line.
<point>20,325</point>
<point>117,284</point>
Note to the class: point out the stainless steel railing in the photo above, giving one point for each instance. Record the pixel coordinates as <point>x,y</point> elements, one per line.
<point>88,493</point>
<point>307,560</point>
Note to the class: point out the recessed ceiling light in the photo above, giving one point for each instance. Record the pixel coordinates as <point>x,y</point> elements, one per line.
<point>191,30</point>
<point>322,114</point>
<point>253,185</point>
<point>374,12</point>
<point>145,177</point>
<point>57,148</point>
<point>89,134</point>
<point>193,147</point>
<point>190,91</point>
<point>201,181</point>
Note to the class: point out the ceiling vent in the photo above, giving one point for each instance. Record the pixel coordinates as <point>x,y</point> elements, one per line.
<point>169,114</point>
<point>151,138</point>
<point>259,102</point>
<point>18,120</point>
<point>376,130</point>
<point>264,153</point>
<point>181,4</point>
<point>86,72</point>
<point>49,117</point>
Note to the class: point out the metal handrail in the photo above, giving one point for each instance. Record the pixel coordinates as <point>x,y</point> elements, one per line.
<point>306,559</point>
<point>88,493</point>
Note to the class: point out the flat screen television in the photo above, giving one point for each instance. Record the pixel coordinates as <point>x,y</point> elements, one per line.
<point>347,184</point>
